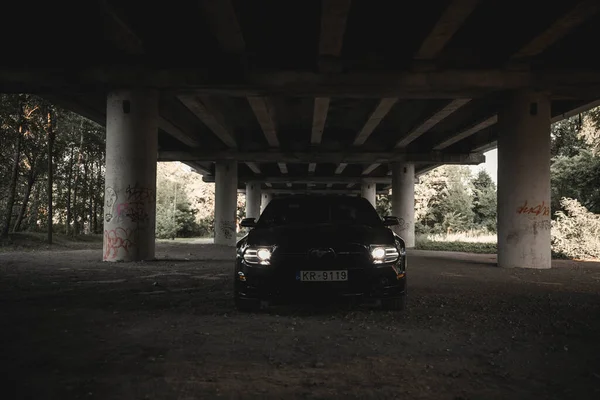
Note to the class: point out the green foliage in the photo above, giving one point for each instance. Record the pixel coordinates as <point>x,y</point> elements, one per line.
<point>577,177</point>
<point>383,204</point>
<point>576,231</point>
<point>485,201</point>
<point>174,215</point>
<point>467,247</point>
<point>566,140</point>
<point>444,199</point>
<point>78,166</point>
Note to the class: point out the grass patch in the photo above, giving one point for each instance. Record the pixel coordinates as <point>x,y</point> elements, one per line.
<point>31,241</point>
<point>466,247</point>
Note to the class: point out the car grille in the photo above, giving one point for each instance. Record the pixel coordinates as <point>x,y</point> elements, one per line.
<point>345,256</point>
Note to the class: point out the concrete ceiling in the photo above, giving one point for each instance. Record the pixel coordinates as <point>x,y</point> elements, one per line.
<point>322,91</point>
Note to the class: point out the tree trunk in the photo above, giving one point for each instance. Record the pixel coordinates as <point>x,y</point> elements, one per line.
<point>30,181</point>
<point>91,198</point>
<point>13,182</point>
<point>33,216</point>
<point>69,179</point>
<point>50,173</point>
<point>99,198</point>
<point>85,191</point>
<point>75,191</point>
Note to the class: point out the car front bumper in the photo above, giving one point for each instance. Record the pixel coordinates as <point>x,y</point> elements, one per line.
<point>282,282</point>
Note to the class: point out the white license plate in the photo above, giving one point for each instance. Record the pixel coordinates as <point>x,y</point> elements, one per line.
<point>324,276</point>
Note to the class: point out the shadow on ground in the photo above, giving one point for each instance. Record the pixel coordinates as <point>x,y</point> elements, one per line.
<point>74,327</point>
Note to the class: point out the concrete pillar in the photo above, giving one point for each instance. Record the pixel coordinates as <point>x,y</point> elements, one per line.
<point>130,180</point>
<point>253,200</point>
<point>368,191</point>
<point>524,182</point>
<point>403,201</point>
<point>265,200</point>
<point>226,202</point>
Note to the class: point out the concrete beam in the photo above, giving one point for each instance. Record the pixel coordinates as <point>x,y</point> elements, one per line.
<point>466,133</point>
<point>384,106</point>
<point>334,14</point>
<point>307,179</point>
<point>220,17</point>
<point>451,20</point>
<point>431,122</point>
<point>118,32</point>
<point>254,167</point>
<point>358,157</point>
<point>317,191</point>
<point>201,107</point>
<point>447,83</point>
<point>197,168</point>
<point>266,118</point>
<point>560,28</point>
<point>340,168</point>
<point>319,117</point>
<point>265,115</point>
<point>177,133</point>
<point>370,168</point>
<point>575,111</point>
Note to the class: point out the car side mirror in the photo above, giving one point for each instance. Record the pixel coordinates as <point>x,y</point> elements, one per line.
<point>248,223</point>
<point>391,221</point>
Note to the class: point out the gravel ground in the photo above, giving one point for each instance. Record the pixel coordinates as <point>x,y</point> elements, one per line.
<point>73,327</point>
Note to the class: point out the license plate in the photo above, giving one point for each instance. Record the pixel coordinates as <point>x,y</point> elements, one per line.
<point>324,276</point>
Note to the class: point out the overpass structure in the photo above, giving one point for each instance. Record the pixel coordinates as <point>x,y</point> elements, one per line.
<point>314,95</point>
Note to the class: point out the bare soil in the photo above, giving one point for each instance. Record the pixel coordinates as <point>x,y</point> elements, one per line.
<point>73,327</point>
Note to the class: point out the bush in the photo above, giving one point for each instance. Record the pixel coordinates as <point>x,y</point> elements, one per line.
<point>467,247</point>
<point>206,227</point>
<point>576,231</point>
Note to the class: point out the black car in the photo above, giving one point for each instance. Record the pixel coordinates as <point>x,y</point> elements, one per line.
<point>306,247</point>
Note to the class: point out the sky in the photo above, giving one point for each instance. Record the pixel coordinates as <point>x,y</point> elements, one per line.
<point>490,165</point>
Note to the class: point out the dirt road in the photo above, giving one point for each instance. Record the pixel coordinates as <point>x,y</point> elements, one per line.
<point>73,327</point>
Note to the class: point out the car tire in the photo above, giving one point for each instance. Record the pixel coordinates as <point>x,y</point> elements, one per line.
<point>394,303</point>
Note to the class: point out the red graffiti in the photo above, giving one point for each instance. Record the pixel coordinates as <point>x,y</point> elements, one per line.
<point>540,209</point>
<point>116,239</point>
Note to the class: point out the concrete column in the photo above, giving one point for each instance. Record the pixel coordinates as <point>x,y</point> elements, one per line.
<point>524,182</point>
<point>265,200</point>
<point>225,202</point>
<point>253,200</point>
<point>368,191</point>
<point>130,180</point>
<point>403,201</point>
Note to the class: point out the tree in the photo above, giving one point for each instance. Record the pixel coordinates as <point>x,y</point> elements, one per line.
<point>566,140</point>
<point>485,201</point>
<point>576,177</point>
<point>174,215</point>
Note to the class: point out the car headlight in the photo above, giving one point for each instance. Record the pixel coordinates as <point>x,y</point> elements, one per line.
<point>383,254</point>
<point>258,255</point>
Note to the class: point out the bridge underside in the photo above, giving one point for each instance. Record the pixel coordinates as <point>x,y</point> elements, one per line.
<point>314,95</point>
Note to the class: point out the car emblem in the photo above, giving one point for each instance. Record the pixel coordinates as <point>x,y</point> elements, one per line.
<point>321,253</point>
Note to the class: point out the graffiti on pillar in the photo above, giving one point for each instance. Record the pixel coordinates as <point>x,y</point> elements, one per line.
<point>140,194</point>
<point>544,225</point>
<point>227,228</point>
<point>135,211</point>
<point>110,198</point>
<point>402,224</point>
<point>116,240</point>
<point>536,209</point>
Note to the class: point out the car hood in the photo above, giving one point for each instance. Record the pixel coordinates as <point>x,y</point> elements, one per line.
<point>319,235</point>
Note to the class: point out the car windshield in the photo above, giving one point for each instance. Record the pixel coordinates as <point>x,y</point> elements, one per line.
<point>302,211</point>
